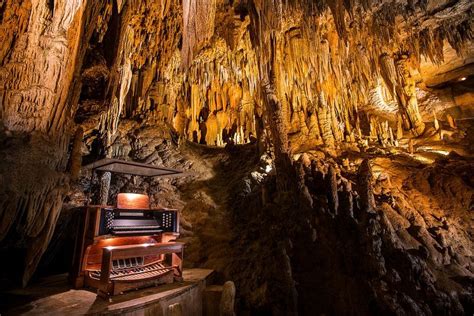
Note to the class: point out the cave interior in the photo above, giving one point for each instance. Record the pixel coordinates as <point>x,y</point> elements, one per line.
<point>328,145</point>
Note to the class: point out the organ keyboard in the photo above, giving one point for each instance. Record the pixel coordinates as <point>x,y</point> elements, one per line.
<point>120,248</point>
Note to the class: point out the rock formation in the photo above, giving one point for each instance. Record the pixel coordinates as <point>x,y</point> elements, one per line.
<point>330,141</point>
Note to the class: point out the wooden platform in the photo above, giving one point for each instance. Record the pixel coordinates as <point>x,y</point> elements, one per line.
<point>52,296</point>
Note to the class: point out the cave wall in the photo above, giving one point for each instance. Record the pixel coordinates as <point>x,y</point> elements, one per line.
<point>42,47</point>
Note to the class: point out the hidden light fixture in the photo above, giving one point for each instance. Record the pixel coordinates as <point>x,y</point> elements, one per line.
<point>133,201</point>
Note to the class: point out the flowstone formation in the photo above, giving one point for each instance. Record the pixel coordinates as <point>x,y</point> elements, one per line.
<point>329,143</point>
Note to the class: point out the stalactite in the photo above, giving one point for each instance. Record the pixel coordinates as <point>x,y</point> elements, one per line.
<point>388,72</point>
<point>120,4</point>
<point>198,21</point>
<point>398,78</point>
<point>224,69</point>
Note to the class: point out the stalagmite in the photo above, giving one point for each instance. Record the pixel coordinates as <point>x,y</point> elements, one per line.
<point>365,186</point>
<point>226,306</point>
<point>410,146</point>
<point>325,123</point>
<point>332,191</point>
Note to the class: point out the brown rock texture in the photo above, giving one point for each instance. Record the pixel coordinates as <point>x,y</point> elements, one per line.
<point>42,47</point>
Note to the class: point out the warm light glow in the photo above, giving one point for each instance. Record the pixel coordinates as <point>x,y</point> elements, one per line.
<point>376,174</point>
<point>142,245</point>
<point>441,152</point>
<point>436,151</point>
<point>107,240</point>
<point>463,79</point>
<point>133,201</point>
<point>132,196</point>
<point>423,159</point>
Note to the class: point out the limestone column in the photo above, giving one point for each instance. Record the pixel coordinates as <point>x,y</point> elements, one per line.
<point>399,80</point>
<point>406,93</point>
<point>104,187</point>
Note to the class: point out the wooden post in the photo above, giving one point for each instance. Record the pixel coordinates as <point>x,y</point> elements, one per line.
<point>104,289</point>
<point>76,275</point>
<point>177,260</point>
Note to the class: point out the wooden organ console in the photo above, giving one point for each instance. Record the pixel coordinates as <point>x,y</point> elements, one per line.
<point>127,246</point>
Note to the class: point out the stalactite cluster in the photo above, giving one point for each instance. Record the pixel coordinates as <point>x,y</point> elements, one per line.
<point>205,84</point>
<point>348,57</point>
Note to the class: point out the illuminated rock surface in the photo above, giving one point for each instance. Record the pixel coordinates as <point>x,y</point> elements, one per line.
<point>330,142</point>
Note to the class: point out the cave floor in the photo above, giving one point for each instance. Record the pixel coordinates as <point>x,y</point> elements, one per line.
<point>53,296</point>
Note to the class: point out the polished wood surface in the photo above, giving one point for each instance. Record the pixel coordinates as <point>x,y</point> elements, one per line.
<point>127,251</point>
<point>95,252</point>
<point>108,287</point>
